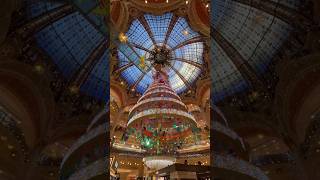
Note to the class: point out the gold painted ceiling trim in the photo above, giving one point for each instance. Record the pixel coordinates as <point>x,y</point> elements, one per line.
<point>159,9</point>
<point>195,21</point>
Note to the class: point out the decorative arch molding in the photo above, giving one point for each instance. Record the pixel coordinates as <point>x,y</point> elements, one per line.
<point>295,94</point>
<point>203,91</point>
<point>120,16</point>
<point>71,132</point>
<point>27,96</point>
<point>157,8</point>
<point>199,20</point>
<point>316,9</point>
<point>202,86</point>
<point>101,116</point>
<point>6,9</point>
<point>251,125</point>
<point>310,105</point>
<point>198,17</point>
<point>116,92</point>
<point>122,93</point>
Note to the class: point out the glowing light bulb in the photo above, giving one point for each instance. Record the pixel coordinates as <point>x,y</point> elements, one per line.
<point>185,32</point>
<point>146,1</point>
<point>73,89</point>
<point>187,2</point>
<point>39,68</point>
<point>167,1</point>
<point>123,38</point>
<point>207,5</point>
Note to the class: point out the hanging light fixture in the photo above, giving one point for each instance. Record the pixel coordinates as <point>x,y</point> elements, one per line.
<point>158,162</point>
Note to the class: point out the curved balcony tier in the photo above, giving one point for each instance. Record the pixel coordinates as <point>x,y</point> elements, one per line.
<point>229,166</point>
<point>272,159</point>
<point>85,144</point>
<point>137,152</point>
<point>227,140</point>
<point>100,118</point>
<point>95,170</point>
<point>218,116</point>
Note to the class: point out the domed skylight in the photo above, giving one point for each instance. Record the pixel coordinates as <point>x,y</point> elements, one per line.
<point>176,40</point>
<point>72,39</point>
<point>245,37</point>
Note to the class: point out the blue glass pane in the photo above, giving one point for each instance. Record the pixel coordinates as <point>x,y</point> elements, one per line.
<point>131,74</point>
<point>177,36</point>
<point>138,35</point>
<point>145,82</point>
<point>97,83</point>
<point>69,41</point>
<point>159,26</point>
<point>37,7</point>
<point>256,35</point>
<point>95,11</point>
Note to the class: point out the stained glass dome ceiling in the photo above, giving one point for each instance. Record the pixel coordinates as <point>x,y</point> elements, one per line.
<point>245,37</point>
<point>172,33</point>
<point>72,39</point>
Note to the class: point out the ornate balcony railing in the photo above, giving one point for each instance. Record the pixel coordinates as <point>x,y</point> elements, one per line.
<point>127,147</point>
<point>273,159</point>
<point>92,170</point>
<point>10,122</point>
<point>201,153</point>
<point>83,139</point>
<point>237,165</point>
<point>218,111</point>
<point>98,116</point>
<point>193,148</point>
<point>227,131</point>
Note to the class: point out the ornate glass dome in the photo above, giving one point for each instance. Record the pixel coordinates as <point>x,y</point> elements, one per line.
<point>72,40</point>
<point>167,39</point>
<point>245,38</point>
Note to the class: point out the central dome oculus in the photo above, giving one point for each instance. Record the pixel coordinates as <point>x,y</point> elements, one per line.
<point>160,56</point>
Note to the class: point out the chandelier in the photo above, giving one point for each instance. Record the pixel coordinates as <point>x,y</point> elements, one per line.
<point>158,162</point>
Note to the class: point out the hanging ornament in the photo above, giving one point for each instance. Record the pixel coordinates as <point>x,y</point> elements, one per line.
<point>142,63</point>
